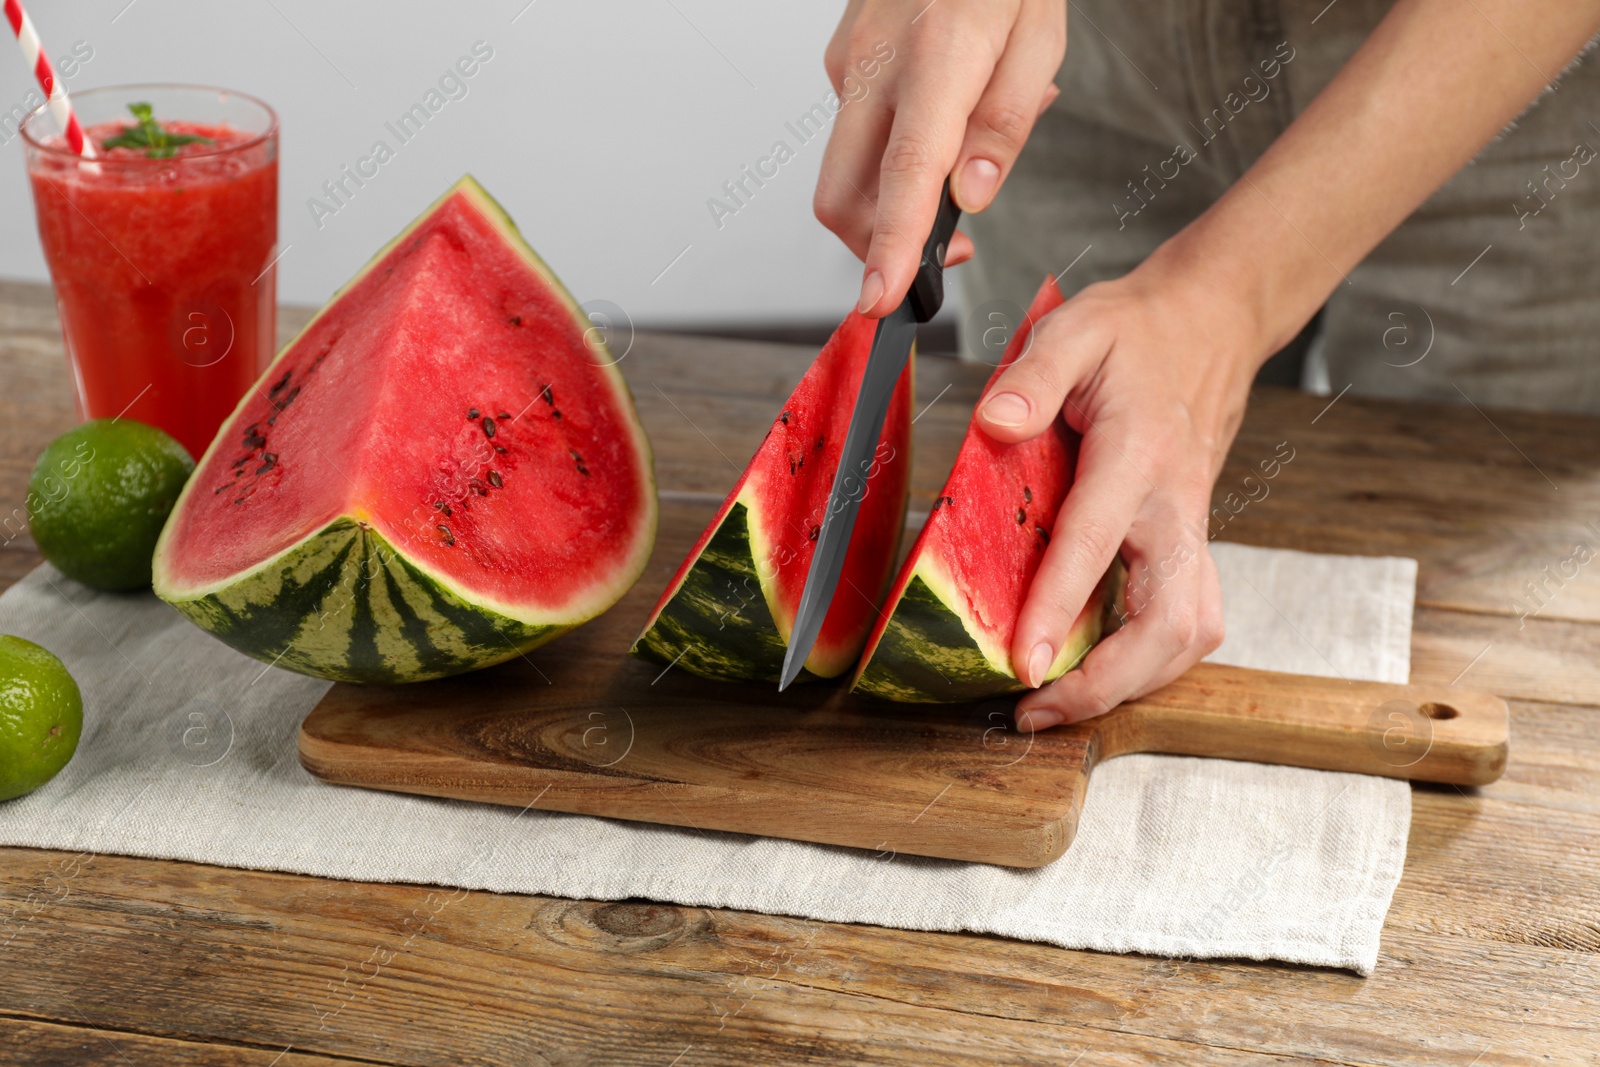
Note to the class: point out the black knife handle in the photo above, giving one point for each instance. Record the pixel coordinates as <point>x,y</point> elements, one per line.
<point>927,289</point>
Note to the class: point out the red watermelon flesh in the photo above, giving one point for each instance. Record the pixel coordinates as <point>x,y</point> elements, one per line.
<point>448,407</point>
<point>946,630</point>
<point>728,611</point>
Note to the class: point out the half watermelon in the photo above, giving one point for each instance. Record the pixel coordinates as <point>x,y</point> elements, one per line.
<point>442,471</point>
<point>946,633</point>
<point>728,612</point>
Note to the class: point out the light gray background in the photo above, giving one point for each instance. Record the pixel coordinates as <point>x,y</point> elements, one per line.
<point>602,126</point>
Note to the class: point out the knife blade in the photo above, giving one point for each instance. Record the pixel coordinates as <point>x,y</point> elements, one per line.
<point>891,348</point>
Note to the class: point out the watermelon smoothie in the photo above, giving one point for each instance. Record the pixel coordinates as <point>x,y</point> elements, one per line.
<point>161,251</point>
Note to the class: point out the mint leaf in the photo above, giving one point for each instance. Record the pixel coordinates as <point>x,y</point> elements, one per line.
<point>157,142</point>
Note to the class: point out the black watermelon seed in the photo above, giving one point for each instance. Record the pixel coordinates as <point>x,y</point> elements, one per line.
<point>268,461</point>
<point>472,413</point>
<point>442,506</point>
<point>444,531</point>
<point>494,479</point>
<point>500,449</point>
<point>819,442</point>
<point>1022,516</point>
<point>815,532</point>
<point>784,418</point>
<point>278,387</point>
<point>503,415</point>
<point>791,465</point>
<point>937,502</point>
<point>583,470</point>
<point>477,487</point>
<point>556,412</point>
<point>1042,532</point>
<point>1027,495</point>
<point>239,500</point>
<point>488,426</point>
<point>549,397</point>
<point>516,320</point>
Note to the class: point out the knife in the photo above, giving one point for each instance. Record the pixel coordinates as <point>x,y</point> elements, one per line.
<point>891,347</point>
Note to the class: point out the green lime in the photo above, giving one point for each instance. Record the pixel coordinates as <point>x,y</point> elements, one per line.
<point>99,496</point>
<point>41,716</point>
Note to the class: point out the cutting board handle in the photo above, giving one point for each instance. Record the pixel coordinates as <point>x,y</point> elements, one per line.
<point>1421,732</point>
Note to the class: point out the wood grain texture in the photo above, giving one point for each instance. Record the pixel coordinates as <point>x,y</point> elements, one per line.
<point>39,1044</point>
<point>1490,953</point>
<point>409,974</point>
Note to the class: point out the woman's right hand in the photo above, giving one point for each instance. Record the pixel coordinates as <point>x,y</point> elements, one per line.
<point>957,97</point>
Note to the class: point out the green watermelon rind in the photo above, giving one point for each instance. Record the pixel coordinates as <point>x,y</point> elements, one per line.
<point>717,623</point>
<point>343,604</point>
<point>218,604</point>
<point>929,652</point>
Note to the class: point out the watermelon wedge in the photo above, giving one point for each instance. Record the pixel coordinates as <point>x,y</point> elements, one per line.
<point>728,611</point>
<point>441,472</point>
<point>946,632</point>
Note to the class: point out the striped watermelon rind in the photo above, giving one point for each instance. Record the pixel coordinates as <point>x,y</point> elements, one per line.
<point>344,605</point>
<point>716,622</point>
<point>929,652</point>
<point>347,603</point>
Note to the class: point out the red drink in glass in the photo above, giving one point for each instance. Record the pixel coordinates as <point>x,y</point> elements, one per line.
<point>163,266</point>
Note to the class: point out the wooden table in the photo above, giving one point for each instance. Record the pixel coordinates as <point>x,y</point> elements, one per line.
<point>1489,953</point>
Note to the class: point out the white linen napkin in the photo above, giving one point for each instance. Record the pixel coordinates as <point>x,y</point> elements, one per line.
<point>188,752</point>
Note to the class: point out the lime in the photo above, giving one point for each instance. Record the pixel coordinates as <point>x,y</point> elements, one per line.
<point>41,716</point>
<point>99,496</point>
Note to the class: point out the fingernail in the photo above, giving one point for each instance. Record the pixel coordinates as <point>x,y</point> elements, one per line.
<point>1039,663</point>
<point>976,186</point>
<point>1041,719</point>
<point>1006,409</point>
<point>871,292</point>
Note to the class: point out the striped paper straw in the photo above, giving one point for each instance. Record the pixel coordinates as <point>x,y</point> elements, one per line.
<point>55,93</point>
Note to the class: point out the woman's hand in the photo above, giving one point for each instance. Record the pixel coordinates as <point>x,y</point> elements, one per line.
<point>957,98</point>
<point>1153,369</point>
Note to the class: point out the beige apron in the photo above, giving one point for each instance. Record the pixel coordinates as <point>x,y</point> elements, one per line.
<point>1490,290</point>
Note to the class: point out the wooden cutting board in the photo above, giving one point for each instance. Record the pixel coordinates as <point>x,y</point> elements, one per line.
<point>580,726</point>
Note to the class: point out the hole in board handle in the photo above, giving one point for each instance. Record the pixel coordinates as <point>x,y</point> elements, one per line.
<point>1438,711</point>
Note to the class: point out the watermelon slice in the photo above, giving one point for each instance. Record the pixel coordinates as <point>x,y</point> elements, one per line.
<point>946,634</point>
<point>441,472</point>
<point>728,612</point>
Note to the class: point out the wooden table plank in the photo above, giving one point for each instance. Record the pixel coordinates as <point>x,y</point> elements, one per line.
<point>398,975</point>
<point>1445,485</point>
<point>41,1044</point>
<point>1489,953</point>
<point>1547,659</point>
